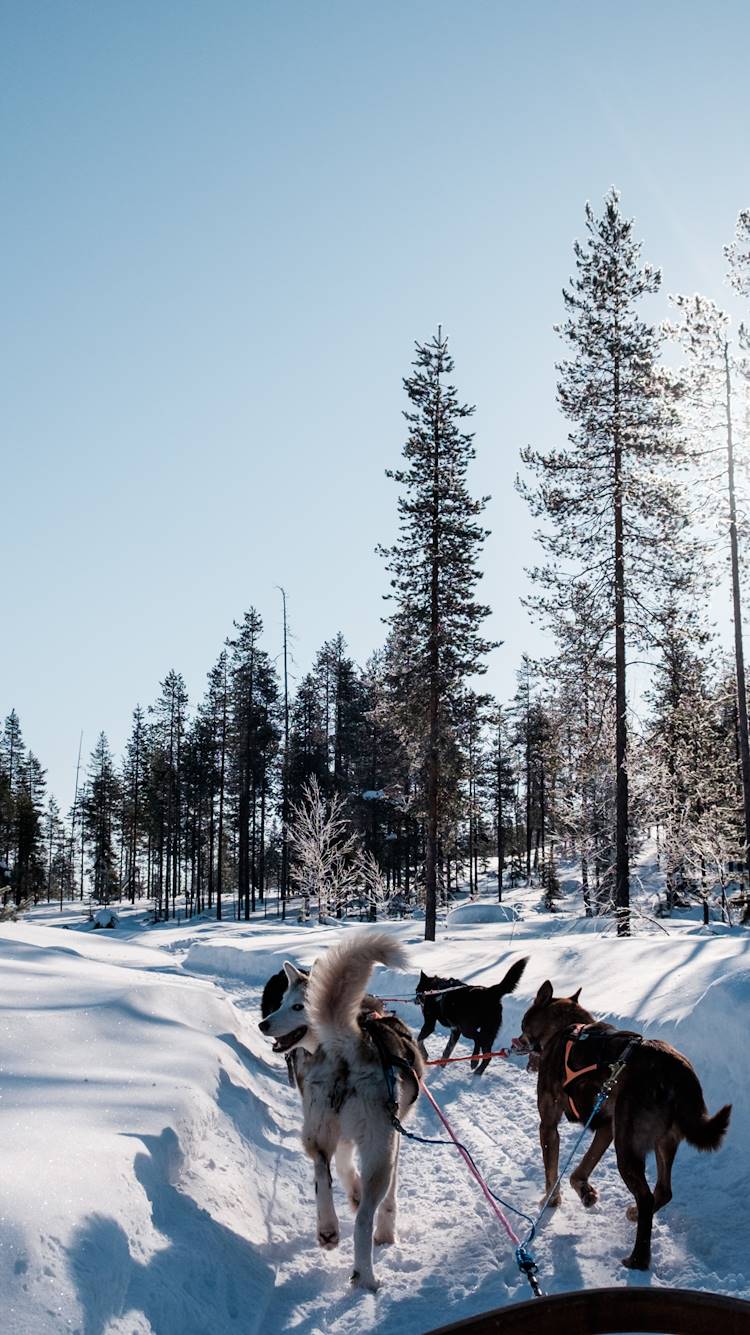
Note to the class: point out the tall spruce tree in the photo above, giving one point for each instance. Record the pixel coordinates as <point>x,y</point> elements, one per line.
<point>612,505</point>
<point>29,871</point>
<point>133,818</point>
<point>100,808</point>
<point>254,699</point>
<point>433,568</point>
<point>12,757</point>
<point>738,255</point>
<point>709,376</point>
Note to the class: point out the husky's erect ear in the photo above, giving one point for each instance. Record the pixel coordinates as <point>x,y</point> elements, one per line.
<point>544,995</point>
<point>294,974</point>
<point>575,996</point>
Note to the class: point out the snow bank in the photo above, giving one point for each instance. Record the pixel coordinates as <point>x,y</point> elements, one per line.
<point>153,1178</point>
<point>480,911</point>
<point>105,918</point>
<point>130,1181</point>
<point>230,959</point>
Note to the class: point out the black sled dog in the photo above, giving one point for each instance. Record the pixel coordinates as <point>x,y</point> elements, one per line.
<point>273,996</point>
<point>466,1009</point>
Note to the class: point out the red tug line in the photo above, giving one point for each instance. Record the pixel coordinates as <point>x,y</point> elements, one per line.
<point>473,1057</point>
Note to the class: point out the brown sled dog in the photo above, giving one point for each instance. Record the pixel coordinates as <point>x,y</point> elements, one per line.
<point>656,1102</point>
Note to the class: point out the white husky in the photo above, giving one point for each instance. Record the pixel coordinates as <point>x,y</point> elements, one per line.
<point>345,1093</point>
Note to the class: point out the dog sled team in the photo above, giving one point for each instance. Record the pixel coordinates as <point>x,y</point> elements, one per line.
<point>358,1071</point>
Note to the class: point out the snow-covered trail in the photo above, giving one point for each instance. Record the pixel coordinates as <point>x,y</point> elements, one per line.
<point>452,1257</point>
<point>153,1179</point>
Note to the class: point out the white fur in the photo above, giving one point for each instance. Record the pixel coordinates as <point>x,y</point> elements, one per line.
<point>342,1061</point>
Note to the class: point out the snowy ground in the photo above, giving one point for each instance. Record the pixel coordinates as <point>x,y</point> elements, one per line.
<point>152,1179</point>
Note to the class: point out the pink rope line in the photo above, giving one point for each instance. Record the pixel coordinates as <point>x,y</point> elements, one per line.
<point>471,1167</point>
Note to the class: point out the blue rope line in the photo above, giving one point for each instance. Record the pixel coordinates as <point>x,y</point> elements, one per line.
<point>524,1257</point>
<point>456,1144</point>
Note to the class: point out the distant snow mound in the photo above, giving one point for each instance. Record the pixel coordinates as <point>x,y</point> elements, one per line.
<point>234,959</point>
<point>479,912</point>
<point>105,918</point>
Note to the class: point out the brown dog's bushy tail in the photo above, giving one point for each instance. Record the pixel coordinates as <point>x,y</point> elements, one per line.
<point>512,978</point>
<point>702,1131</point>
<point>338,981</point>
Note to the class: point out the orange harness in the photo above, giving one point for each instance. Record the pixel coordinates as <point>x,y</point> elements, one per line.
<point>569,1074</point>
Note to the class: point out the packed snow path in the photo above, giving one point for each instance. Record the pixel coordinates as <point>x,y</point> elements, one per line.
<point>153,1179</point>
<point>453,1259</point>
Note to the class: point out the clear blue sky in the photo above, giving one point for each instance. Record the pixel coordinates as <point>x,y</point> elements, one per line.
<point>224,226</point>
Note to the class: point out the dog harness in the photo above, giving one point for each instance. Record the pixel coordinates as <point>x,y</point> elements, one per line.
<point>569,1073</point>
<point>580,1033</point>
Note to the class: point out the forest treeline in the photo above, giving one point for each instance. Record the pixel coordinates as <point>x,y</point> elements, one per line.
<point>384,785</point>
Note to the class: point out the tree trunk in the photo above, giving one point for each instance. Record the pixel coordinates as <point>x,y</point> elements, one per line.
<point>500,818</point>
<point>285,780</point>
<point>622,868</point>
<point>739,653</point>
<point>433,756</point>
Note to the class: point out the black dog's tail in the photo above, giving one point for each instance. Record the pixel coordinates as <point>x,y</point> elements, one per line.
<point>511,980</point>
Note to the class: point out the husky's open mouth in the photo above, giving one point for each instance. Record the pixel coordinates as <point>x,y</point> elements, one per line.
<point>287,1041</point>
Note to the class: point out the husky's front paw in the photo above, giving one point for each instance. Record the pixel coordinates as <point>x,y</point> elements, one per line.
<point>355,1194</point>
<point>328,1238</point>
<point>384,1235</point>
<point>553,1200</point>
<point>362,1281</point>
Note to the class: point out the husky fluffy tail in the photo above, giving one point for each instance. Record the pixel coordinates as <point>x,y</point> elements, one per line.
<point>511,980</point>
<point>338,982</point>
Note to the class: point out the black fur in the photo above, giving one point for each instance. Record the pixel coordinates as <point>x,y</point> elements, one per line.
<point>396,1047</point>
<point>470,1010</point>
<point>273,995</point>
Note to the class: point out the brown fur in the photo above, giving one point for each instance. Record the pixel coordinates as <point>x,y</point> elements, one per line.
<point>656,1103</point>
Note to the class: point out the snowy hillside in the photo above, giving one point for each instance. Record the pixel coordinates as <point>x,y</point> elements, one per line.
<point>153,1182</point>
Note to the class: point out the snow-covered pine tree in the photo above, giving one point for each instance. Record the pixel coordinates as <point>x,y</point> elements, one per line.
<point>308,741</point>
<point>12,757</point>
<point>689,766</point>
<point>709,378</point>
<point>581,674</point>
<point>54,843</point>
<point>167,735</point>
<point>611,506</point>
<point>738,255</point>
<point>100,810</point>
<point>342,711</point>
<point>29,869</point>
<point>433,568</point>
<point>217,715</point>
<point>500,784</point>
<point>524,711</point>
<point>199,788</point>
<point>134,775</point>
<point>255,736</point>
